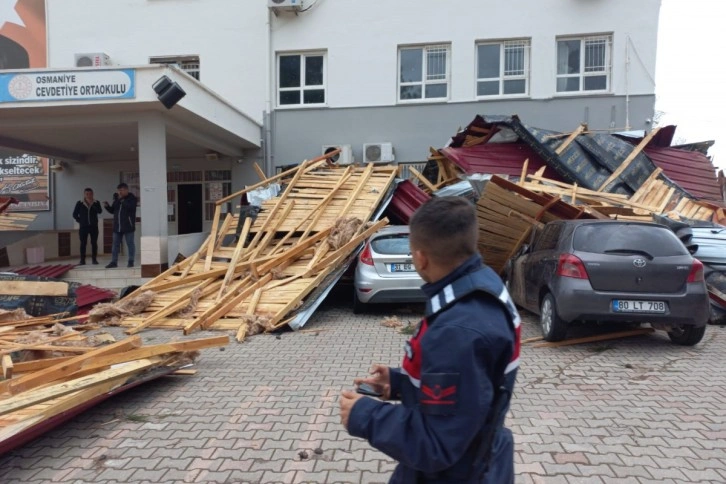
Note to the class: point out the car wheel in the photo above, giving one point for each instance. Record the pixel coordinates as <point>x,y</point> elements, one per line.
<point>687,335</point>
<point>553,328</point>
<point>358,305</point>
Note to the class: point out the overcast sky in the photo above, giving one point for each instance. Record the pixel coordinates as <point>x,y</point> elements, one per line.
<point>691,71</point>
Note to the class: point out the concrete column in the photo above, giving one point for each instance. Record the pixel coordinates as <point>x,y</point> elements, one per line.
<point>152,174</point>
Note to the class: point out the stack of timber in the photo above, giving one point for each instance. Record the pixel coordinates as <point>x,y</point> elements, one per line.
<point>13,220</point>
<point>447,173</point>
<point>255,278</point>
<point>52,372</point>
<point>508,213</point>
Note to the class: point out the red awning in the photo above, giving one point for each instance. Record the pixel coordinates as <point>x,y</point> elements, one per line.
<point>406,199</point>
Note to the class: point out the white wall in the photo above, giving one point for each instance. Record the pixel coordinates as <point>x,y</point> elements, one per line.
<point>229,36</point>
<point>362,39</point>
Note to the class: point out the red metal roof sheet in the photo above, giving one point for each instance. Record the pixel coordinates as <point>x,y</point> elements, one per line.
<point>407,198</point>
<point>498,159</point>
<point>52,271</point>
<point>691,170</point>
<point>88,295</point>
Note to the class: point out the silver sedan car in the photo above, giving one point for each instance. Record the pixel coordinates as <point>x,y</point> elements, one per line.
<point>385,271</point>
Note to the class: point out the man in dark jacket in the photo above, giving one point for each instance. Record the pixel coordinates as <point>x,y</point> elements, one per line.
<point>86,214</point>
<point>124,223</point>
<point>458,369</point>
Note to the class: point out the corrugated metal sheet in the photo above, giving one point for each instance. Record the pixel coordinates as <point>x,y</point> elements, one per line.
<point>498,159</point>
<point>691,170</point>
<point>406,199</point>
<point>52,271</point>
<point>88,295</point>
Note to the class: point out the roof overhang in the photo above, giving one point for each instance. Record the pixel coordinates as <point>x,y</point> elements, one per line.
<point>87,130</point>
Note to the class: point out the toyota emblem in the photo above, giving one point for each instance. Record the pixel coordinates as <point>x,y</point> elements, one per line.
<point>639,263</point>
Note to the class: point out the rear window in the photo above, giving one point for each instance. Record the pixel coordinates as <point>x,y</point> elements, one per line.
<point>614,237</point>
<point>392,244</point>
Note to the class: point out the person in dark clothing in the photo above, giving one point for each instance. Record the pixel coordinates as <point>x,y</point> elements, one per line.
<point>458,370</point>
<point>86,214</point>
<point>124,223</point>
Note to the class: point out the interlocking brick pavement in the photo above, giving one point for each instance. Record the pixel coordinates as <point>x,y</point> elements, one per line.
<point>636,410</point>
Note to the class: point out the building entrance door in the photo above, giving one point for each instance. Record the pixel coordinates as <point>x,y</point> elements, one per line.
<point>190,209</point>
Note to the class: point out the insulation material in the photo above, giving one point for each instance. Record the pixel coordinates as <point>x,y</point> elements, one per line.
<point>111,313</point>
<point>343,231</point>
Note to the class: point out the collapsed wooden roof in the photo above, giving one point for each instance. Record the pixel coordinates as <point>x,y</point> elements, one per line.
<point>255,279</point>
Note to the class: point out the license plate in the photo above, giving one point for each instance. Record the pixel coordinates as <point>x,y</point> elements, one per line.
<point>639,306</point>
<point>402,268</point>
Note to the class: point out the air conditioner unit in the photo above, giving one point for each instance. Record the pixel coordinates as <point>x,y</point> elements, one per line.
<point>97,59</point>
<point>285,5</point>
<point>378,153</point>
<point>345,157</point>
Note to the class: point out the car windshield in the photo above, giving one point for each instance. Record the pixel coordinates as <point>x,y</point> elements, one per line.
<point>395,244</point>
<point>627,239</point>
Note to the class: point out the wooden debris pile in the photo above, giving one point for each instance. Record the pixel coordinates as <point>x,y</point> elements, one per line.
<point>13,220</point>
<point>252,275</point>
<point>52,372</point>
<point>508,213</point>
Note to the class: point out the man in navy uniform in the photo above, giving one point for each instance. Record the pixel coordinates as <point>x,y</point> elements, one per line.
<point>458,369</point>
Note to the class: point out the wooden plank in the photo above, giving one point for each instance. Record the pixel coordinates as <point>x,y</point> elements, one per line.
<point>242,331</point>
<point>626,163</point>
<point>37,396</point>
<point>523,176</point>
<point>422,179</point>
<point>180,303</point>
<point>224,308</point>
<point>570,139</point>
<point>595,339</point>
<point>260,173</point>
<point>645,187</point>
<point>235,257</point>
<point>35,365</point>
<point>34,288</point>
<point>33,380</point>
<point>213,237</point>
<point>7,363</point>
<point>151,351</point>
<point>193,260</point>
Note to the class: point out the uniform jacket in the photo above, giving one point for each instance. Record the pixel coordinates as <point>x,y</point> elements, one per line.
<point>124,213</point>
<point>87,216</point>
<point>463,351</point>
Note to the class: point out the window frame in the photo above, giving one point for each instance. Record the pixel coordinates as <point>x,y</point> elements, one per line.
<point>424,68</point>
<point>302,88</point>
<point>607,72</point>
<point>183,62</point>
<point>502,43</point>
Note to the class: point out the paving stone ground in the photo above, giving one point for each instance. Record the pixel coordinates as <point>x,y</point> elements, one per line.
<point>637,410</point>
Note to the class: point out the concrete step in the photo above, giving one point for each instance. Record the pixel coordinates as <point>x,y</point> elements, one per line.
<point>107,278</point>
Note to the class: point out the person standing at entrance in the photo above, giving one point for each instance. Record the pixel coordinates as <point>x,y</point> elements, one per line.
<point>124,223</point>
<point>86,214</point>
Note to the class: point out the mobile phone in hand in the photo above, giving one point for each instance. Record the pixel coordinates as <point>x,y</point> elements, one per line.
<point>366,389</point>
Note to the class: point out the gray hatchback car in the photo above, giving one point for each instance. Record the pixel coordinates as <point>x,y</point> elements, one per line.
<point>385,271</point>
<point>610,271</point>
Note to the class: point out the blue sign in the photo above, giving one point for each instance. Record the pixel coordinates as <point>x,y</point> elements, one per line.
<point>92,84</point>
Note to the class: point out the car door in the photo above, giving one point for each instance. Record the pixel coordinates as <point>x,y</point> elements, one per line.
<point>541,262</point>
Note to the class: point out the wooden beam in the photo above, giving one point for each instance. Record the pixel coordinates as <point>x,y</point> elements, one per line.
<point>523,176</point>
<point>33,288</point>
<point>354,242</point>
<point>33,380</point>
<point>595,339</point>
<point>7,363</point>
<point>35,365</point>
<point>260,173</point>
<point>213,237</point>
<point>235,257</point>
<point>30,398</point>
<point>570,139</point>
<point>626,163</point>
<point>193,260</point>
<point>242,331</point>
<point>422,179</point>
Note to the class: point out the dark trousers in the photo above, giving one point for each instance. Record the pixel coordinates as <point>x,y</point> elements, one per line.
<point>92,232</point>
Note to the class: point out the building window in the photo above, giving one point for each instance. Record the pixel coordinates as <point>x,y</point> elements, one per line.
<point>583,64</point>
<point>300,79</point>
<point>502,68</point>
<point>424,73</point>
<point>217,185</point>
